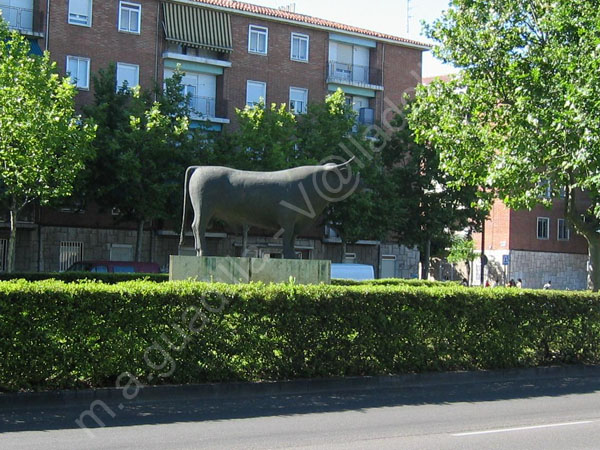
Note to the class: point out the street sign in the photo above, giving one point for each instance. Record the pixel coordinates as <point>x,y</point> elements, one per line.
<point>505,260</point>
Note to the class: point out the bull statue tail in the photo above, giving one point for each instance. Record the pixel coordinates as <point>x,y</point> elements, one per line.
<point>339,166</point>
<point>185,188</point>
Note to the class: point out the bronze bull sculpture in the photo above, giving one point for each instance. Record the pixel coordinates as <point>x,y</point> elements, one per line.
<point>287,200</point>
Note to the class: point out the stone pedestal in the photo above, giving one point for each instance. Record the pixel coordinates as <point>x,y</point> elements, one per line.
<point>244,270</point>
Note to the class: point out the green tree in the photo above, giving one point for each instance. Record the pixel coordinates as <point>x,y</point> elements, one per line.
<point>273,138</point>
<point>266,138</point>
<point>328,132</point>
<point>427,207</point>
<point>43,144</point>
<point>462,249</point>
<point>143,149</point>
<point>325,130</point>
<point>523,113</point>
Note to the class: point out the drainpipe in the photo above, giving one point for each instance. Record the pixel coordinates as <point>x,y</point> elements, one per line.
<point>47,24</point>
<point>483,257</point>
<point>382,81</point>
<point>156,46</point>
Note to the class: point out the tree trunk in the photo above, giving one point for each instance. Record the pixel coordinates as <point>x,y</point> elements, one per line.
<point>593,240</point>
<point>139,240</point>
<point>425,261</point>
<point>12,240</point>
<point>469,272</point>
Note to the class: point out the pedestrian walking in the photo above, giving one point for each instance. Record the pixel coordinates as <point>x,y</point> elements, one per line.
<point>519,283</point>
<point>548,285</point>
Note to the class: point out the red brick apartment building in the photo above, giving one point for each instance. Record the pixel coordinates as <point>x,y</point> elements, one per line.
<point>232,53</point>
<point>536,246</point>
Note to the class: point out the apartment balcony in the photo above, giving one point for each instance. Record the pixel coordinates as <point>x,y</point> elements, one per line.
<point>205,109</point>
<point>354,75</point>
<point>202,107</point>
<point>26,21</point>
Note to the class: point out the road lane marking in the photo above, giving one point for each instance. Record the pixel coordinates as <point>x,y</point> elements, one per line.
<point>532,427</point>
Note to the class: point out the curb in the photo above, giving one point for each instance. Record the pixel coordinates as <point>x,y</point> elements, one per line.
<point>293,387</point>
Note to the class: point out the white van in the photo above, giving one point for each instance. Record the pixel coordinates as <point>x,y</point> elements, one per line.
<point>352,271</point>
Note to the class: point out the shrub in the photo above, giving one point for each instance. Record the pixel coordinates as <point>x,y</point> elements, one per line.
<point>70,277</point>
<point>63,335</point>
<point>393,282</point>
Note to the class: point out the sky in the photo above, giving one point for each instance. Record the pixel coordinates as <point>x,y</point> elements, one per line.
<point>386,16</point>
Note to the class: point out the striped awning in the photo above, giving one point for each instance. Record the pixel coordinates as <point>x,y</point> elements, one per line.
<point>197,27</point>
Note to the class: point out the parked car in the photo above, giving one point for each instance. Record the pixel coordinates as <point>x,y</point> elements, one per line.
<point>114,267</point>
<point>352,271</point>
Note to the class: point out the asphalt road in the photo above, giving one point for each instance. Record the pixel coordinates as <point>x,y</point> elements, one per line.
<point>556,413</point>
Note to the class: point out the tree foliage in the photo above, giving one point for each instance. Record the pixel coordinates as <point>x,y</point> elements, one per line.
<point>427,205</point>
<point>273,138</point>
<point>266,137</point>
<point>523,112</point>
<point>462,250</point>
<point>43,144</point>
<point>144,146</point>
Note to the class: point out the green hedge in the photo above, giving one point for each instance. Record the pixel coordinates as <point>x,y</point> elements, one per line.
<point>70,277</point>
<point>393,282</point>
<point>59,335</point>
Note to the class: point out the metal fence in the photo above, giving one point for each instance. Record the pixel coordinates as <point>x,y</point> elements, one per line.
<point>203,106</point>
<point>70,252</point>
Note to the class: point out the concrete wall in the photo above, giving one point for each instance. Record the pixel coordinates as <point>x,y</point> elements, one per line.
<point>158,246</point>
<point>565,270</point>
<point>407,260</point>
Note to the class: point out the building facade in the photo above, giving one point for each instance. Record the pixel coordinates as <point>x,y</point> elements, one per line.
<point>535,246</point>
<point>233,54</point>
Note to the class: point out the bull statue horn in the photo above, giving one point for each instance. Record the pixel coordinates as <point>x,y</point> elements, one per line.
<point>334,166</point>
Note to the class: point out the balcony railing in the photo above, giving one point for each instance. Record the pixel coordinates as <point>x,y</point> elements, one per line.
<point>202,106</point>
<point>18,18</point>
<point>353,73</point>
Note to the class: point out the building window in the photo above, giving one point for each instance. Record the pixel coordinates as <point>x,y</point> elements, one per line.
<point>80,12</point>
<point>130,17</point>
<point>79,70</point>
<point>349,258</point>
<point>121,252</point>
<point>564,233</point>
<point>298,100</point>
<point>258,38</point>
<point>127,73</point>
<point>256,91</point>
<point>546,189</point>
<point>543,228</point>
<point>299,47</point>
<point>70,252</point>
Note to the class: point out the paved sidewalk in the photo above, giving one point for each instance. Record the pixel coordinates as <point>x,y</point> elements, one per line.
<point>301,386</point>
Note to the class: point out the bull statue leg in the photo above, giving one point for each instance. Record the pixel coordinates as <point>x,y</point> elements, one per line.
<point>245,240</point>
<point>201,219</point>
<point>289,241</point>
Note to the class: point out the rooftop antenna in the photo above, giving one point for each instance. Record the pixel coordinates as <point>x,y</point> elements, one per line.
<point>288,8</point>
<point>408,15</point>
